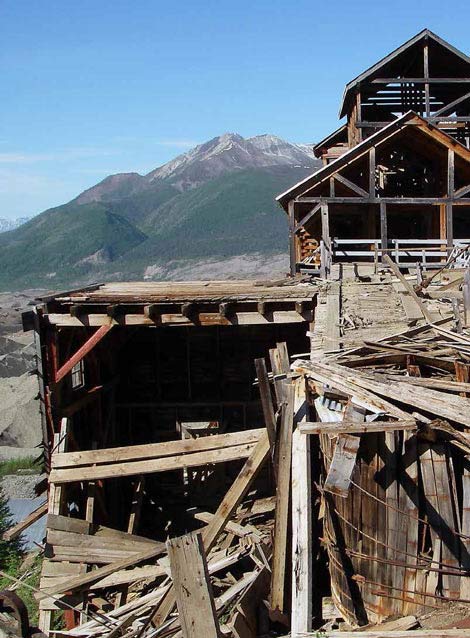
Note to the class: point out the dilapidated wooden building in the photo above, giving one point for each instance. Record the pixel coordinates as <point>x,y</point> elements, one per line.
<point>396,176</point>
<point>250,458</point>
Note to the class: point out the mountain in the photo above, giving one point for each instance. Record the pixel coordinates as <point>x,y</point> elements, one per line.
<point>11,224</point>
<point>209,210</point>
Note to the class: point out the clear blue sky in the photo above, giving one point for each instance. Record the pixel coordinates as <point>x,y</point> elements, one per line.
<point>89,88</point>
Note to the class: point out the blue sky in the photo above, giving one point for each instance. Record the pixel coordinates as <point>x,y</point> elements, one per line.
<point>90,88</point>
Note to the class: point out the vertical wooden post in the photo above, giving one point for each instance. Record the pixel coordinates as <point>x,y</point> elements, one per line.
<point>449,227</point>
<point>325,232</point>
<point>383,228</point>
<point>442,230</point>
<point>450,193</point>
<point>427,101</point>
<point>358,117</point>
<point>466,297</point>
<point>372,172</point>
<point>284,458</point>
<point>192,587</point>
<point>301,611</point>
<point>292,238</point>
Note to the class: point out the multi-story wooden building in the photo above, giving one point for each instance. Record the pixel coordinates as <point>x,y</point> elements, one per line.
<point>396,176</point>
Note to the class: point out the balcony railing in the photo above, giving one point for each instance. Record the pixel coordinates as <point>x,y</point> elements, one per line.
<point>430,253</point>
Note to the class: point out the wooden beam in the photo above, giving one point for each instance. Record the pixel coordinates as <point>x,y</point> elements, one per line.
<point>334,428</point>
<point>342,465</point>
<point>192,586</point>
<point>18,529</point>
<point>301,609</point>
<point>284,457</point>
<point>383,228</point>
<point>427,106</point>
<point>354,187</point>
<point>82,352</point>
<point>154,450</point>
<point>151,466</point>
<point>325,226</point>
<point>372,172</point>
<point>307,218</point>
<point>87,579</point>
<point>408,287</point>
<point>292,237</point>
<point>462,191</point>
<point>448,107</point>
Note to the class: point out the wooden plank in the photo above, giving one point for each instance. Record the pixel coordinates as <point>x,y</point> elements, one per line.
<point>86,580</point>
<point>165,464</point>
<point>229,503</point>
<point>339,475</point>
<point>18,529</point>
<point>284,457</point>
<point>194,599</point>
<point>334,428</point>
<point>155,450</point>
<point>301,612</point>
<point>396,271</point>
<point>82,352</point>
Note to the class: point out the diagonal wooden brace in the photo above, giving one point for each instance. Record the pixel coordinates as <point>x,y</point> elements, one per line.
<point>82,352</point>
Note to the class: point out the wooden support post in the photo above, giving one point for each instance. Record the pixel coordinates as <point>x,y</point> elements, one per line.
<point>383,229</point>
<point>344,458</point>
<point>466,297</point>
<point>292,238</point>
<point>284,457</point>
<point>82,352</point>
<point>427,102</point>
<point>301,611</point>
<point>193,591</point>
<point>325,232</point>
<point>372,172</point>
<point>450,193</point>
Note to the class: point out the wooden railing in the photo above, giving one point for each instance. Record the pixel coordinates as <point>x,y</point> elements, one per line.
<point>430,253</point>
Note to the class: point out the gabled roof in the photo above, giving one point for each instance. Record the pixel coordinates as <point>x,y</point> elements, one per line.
<point>411,118</point>
<point>425,34</point>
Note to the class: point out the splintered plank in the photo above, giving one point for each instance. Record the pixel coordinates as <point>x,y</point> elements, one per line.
<point>192,587</point>
<point>284,458</point>
<point>344,458</point>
